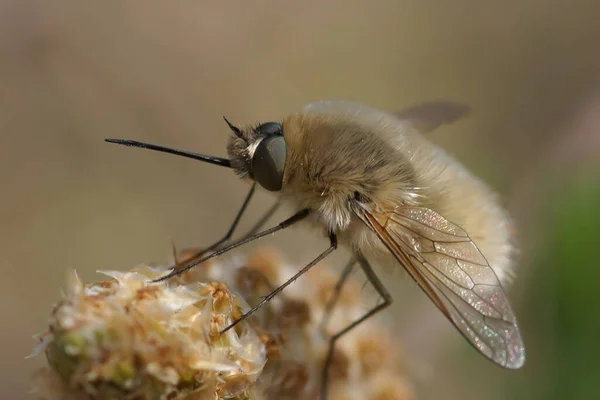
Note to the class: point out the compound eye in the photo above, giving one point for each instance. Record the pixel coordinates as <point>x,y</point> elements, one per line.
<point>268,162</point>
<point>270,128</point>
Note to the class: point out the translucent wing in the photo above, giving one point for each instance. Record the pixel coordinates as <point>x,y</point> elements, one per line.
<point>430,115</point>
<point>448,266</point>
<point>425,117</point>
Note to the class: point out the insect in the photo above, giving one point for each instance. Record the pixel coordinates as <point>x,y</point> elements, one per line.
<point>371,182</point>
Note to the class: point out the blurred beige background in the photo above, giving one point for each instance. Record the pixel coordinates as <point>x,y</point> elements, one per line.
<point>73,73</point>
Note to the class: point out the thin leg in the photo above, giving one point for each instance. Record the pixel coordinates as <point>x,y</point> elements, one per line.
<point>300,215</point>
<point>227,235</point>
<point>387,300</point>
<point>257,226</point>
<point>331,248</point>
<point>336,293</point>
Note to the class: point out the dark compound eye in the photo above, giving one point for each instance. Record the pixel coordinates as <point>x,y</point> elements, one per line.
<point>270,128</point>
<point>268,162</point>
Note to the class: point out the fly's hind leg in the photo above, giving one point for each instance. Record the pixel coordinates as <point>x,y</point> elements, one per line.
<point>336,294</point>
<point>387,300</point>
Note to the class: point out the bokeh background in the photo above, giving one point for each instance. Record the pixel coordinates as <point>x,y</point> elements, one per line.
<point>73,73</point>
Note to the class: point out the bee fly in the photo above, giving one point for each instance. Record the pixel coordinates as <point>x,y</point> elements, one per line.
<point>370,181</point>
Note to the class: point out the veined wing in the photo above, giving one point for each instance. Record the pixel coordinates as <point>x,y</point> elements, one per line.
<point>449,267</point>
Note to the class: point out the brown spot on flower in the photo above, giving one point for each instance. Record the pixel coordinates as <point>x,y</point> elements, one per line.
<point>253,282</point>
<point>267,262</point>
<point>271,341</point>
<point>221,296</point>
<point>339,366</point>
<point>235,384</point>
<point>374,353</point>
<point>326,283</point>
<point>391,387</point>
<point>147,293</point>
<point>218,323</point>
<point>295,313</point>
<point>236,313</point>
<point>294,379</point>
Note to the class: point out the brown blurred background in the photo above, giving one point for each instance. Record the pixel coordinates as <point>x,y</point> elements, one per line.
<point>73,73</point>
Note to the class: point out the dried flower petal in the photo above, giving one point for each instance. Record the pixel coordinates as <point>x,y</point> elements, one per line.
<point>128,338</point>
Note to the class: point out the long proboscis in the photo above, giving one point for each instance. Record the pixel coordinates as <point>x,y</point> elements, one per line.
<point>223,162</point>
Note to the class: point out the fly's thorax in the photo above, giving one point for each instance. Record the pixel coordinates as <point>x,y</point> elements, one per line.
<point>334,165</point>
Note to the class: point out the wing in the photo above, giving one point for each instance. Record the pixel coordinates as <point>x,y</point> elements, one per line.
<point>448,266</point>
<point>424,117</point>
<point>428,116</point>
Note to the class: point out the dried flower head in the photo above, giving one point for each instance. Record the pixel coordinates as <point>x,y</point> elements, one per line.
<point>126,338</point>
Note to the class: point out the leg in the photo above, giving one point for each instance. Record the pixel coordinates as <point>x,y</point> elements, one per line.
<point>257,226</point>
<point>331,248</point>
<point>387,300</point>
<point>227,235</point>
<point>300,215</point>
<point>336,293</point>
